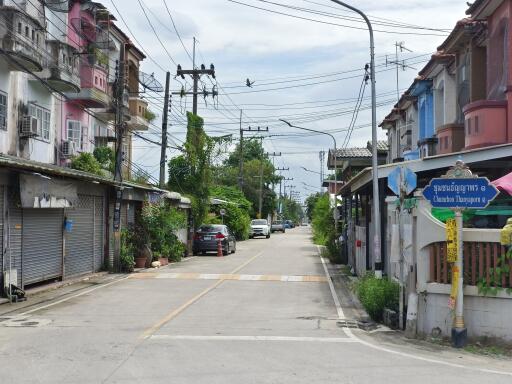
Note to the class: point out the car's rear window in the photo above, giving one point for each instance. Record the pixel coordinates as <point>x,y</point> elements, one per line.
<point>211,228</point>
<point>259,222</point>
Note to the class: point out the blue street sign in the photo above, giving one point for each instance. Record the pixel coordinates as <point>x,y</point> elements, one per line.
<point>402,178</point>
<point>461,193</point>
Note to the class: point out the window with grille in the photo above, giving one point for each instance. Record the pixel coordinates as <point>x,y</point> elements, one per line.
<point>43,120</point>
<point>3,111</point>
<point>74,132</point>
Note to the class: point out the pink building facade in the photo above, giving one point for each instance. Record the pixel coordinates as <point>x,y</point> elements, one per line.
<point>489,121</point>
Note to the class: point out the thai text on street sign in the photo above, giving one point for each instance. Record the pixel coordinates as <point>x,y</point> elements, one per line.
<point>455,193</point>
<point>452,244</point>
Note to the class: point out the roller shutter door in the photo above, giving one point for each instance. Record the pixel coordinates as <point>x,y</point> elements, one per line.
<point>42,245</point>
<point>99,233</point>
<point>13,226</point>
<point>79,257</point>
<point>1,236</point>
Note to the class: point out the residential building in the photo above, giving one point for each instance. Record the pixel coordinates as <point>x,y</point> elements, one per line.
<point>57,72</point>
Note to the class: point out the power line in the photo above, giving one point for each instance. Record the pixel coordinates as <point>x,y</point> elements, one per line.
<point>329,23</point>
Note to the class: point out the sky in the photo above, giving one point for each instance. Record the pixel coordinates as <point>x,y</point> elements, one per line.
<point>310,73</point>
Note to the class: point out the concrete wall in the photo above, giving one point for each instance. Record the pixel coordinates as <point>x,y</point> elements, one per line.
<point>483,316</point>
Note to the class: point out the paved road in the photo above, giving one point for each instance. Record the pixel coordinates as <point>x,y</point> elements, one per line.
<point>263,315</point>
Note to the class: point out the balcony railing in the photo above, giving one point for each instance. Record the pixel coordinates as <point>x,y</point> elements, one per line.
<point>63,71</point>
<point>22,39</point>
<point>485,123</point>
<point>450,138</point>
<point>138,113</point>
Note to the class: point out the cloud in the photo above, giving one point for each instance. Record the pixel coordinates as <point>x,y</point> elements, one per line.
<point>248,43</point>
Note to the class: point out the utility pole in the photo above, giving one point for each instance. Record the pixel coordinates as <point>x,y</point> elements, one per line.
<point>163,152</point>
<point>322,157</point>
<point>260,202</point>
<point>118,174</point>
<point>241,160</point>
<point>196,74</point>
<point>399,64</point>
<point>274,155</point>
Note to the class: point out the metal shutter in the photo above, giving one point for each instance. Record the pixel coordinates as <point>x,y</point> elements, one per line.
<point>99,233</point>
<point>79,257</point>
<point>13,227</point>
<point>42,244</point>
<point>1,237</point>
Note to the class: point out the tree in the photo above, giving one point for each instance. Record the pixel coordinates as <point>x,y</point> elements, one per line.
<point>310,204</point>
<point>86,162</point>
<point>237,209</point>
<point>191,172</point>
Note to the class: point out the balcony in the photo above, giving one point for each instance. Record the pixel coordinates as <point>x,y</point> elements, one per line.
<point>62,72</point>
<point>450,138</point>
<point>93,93</point>
<point>22,39</point>
<point>485,123</point>
<point>102,132</point>
<point>139,113</point>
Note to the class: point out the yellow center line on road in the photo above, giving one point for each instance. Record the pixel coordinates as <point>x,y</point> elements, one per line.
<point>171,315</point>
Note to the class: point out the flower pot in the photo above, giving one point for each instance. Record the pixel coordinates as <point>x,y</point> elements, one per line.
<point>140,262</point>
<point>163,261</point>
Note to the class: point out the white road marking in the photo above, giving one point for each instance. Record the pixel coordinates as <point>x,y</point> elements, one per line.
<point>255,338</point>
<point>72,296</point>
<point>349,333</point>
<point>209,276</point>
<point>250,277</point>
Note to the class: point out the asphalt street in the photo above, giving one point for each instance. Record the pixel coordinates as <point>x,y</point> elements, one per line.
<point>267,314</point>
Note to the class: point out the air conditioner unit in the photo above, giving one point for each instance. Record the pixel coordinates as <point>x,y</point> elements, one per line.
<point>29,126</point>
<point>68,148</point>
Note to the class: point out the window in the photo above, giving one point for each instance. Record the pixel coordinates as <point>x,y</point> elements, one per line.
<point>19,28</point>
<point>74,133</point>
<point>27,32</point>
<point>3,111</point>
<point>43,120</point>
<point>95,80</point>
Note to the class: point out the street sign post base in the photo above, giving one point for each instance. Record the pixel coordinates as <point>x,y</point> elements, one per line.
<point>459,337</point>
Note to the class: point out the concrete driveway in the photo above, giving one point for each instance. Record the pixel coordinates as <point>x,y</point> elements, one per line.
<point>267,314</point>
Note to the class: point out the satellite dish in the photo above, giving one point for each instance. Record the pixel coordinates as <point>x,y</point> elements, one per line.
<point>149,82</point>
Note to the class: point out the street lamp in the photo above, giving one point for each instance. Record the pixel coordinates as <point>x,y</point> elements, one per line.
<point>335,167</point>
<point>376,200</point>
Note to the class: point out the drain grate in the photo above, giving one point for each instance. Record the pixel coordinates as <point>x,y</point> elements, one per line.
<point>364,325</point>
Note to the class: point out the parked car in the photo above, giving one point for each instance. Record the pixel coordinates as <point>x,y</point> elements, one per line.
<point>207,237</point>
<point>290,224</point>
<point>277,226</point>
<point>259,227</point>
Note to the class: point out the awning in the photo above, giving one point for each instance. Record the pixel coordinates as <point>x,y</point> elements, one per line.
<point>504,183</point>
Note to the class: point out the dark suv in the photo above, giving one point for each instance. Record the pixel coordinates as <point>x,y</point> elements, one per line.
<point>207,237</point>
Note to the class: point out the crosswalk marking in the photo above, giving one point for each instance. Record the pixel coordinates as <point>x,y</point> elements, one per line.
<point>236,277</point>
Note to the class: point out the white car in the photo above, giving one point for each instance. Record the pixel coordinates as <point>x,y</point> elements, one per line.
<point>259,227</point>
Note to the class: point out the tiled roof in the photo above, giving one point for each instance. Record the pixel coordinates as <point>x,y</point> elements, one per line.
<point>353,152</point>
<point>382,146</point>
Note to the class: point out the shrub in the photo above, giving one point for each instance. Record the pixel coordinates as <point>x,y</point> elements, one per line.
<point>127,249</point>
<point>161,223</point>
<point>87,162</point>
<point>376,294</point>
